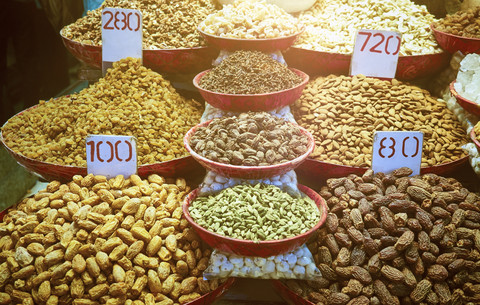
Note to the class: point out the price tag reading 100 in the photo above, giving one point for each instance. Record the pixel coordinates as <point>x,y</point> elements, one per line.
<point>395,149</point>
<point>376,53</point>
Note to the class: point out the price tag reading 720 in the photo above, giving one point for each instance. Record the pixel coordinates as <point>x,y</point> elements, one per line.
<point>394,149</point>
<point>376,53</point>
<point>111,155</point>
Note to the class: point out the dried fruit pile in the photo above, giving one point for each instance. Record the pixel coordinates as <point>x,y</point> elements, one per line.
<point>98,241</point>
<point>462,23</point>
<point>393,239</point>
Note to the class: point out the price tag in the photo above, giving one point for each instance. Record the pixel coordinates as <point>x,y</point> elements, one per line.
<point>395,149</point>
<point>111,155</point>
<point>376,53</point>
<point>121,35</point>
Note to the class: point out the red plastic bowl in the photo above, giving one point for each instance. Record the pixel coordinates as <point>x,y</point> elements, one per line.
<point>256,248</point>
<point>468,105</point>
<point>185,166</point>
<point>473,136</point>
<point>252,102</point>
<point>248,172</point>
<point>210,297</point>
<point>264,45</point>
<point>190,60</point>
<point>453,43</point>
<point>288,295</point>
<point>408,68</point>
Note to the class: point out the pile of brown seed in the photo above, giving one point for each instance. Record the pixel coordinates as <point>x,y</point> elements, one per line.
<point>129,100</point>
<point>251,139</point>
<point>342,113</point>
<point>167,24</point>
<point>462,23</point>
<point>249,72</point>
<point>393,239</point>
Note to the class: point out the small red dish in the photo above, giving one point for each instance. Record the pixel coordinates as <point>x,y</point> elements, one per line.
<point>288,295</point>
<point>256,248</point>
<point>453,43</point>
<point>252,102</point>
<point>264,45</point>
<point>473,136</point>
<point>248,172</point>
<point>466,104</point>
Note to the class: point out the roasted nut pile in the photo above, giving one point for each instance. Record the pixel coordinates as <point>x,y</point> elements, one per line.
<point>98,241</point>
<point>167,24</point>
<point>255,212</point>
<point>462,23</point>
<point>129,100</point>
<point>331,25</point>
<point>249,72</point>
<point>342,113</point>
<point>393,239</point>
<point>251,139</point>
<point>250,19</point>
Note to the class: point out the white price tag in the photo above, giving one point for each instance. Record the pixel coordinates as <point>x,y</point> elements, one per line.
<point>110,155</point>
<point>375,53</point>
<point>395,149</point>
<point>121,35</point>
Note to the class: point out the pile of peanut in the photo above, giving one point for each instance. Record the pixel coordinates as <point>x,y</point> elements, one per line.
<point>342,113</point>
<point>331,25</point>
<point>462,23</point>
<point>129,100</point>
<point>169,24</point>
<point>98,241</point>
<point>392,239</point>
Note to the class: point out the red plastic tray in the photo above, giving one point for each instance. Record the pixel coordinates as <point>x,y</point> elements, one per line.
<point>408,68</point>
<point>256,248</point>
<point>288,295</point>
<point>466,104</point>
<point>453,43</point>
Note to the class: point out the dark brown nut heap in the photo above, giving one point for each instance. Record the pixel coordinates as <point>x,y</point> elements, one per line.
<point>251,139</point>
<point>168,24</point>
<point>393,239</point>
<point>129,100</point>
<point>97,241</point>
<point>462,23</point>
<point>342,113</point>
<point>249,72</point>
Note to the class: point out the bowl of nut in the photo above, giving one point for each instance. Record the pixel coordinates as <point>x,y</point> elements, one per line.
<point>466,104</point>
<point>453,43</point>
<point>474,138</point>
<point>283,224</point>
<point>288,294</point>
<point>265,149</point>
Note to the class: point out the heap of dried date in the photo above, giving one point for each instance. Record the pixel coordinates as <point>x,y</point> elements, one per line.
<point>393,239</point>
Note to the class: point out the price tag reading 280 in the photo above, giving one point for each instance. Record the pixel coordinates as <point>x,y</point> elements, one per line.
<point>111,155</point>
<point>395,149</point>
<point>121,35</point>
<point>376,53</point>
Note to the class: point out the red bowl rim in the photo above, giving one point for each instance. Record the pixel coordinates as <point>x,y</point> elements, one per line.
<point>253,39</point>
<point>302,157</point>
<point>305,78</point>
<point>279,285</point>
<point>322,207</point>
<point>473,136</point>
<point>453,35</point>
<point>459,97</point>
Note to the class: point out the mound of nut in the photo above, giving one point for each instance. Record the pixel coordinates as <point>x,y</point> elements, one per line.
<point>394,239</point>
<point>247,19</point>
<point>98,241</point>
<point>462,23</point>
<point>129,100</point>
<point>331,25</point>
<point>166,24</point>
<point>249,139</point>
<point>255,212</point>
<point>342,113</point>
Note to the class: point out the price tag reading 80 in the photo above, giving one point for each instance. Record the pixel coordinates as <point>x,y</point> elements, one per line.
<point>376,53</point>
<point>395,149</point>
<point>110,155</point>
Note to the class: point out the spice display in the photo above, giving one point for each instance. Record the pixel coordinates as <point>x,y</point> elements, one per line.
<point>249,72</point>
<point>462,23</point>
<point>394,239</point>
<point>169,24</point>
<point>249,139</point>
<point>255,212</point>
<point>129,100</point>
<point>342,113</point>
<point>468,78</point>
<point>248,19</point>
<point>331,25</point>
<point>99,241</point>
